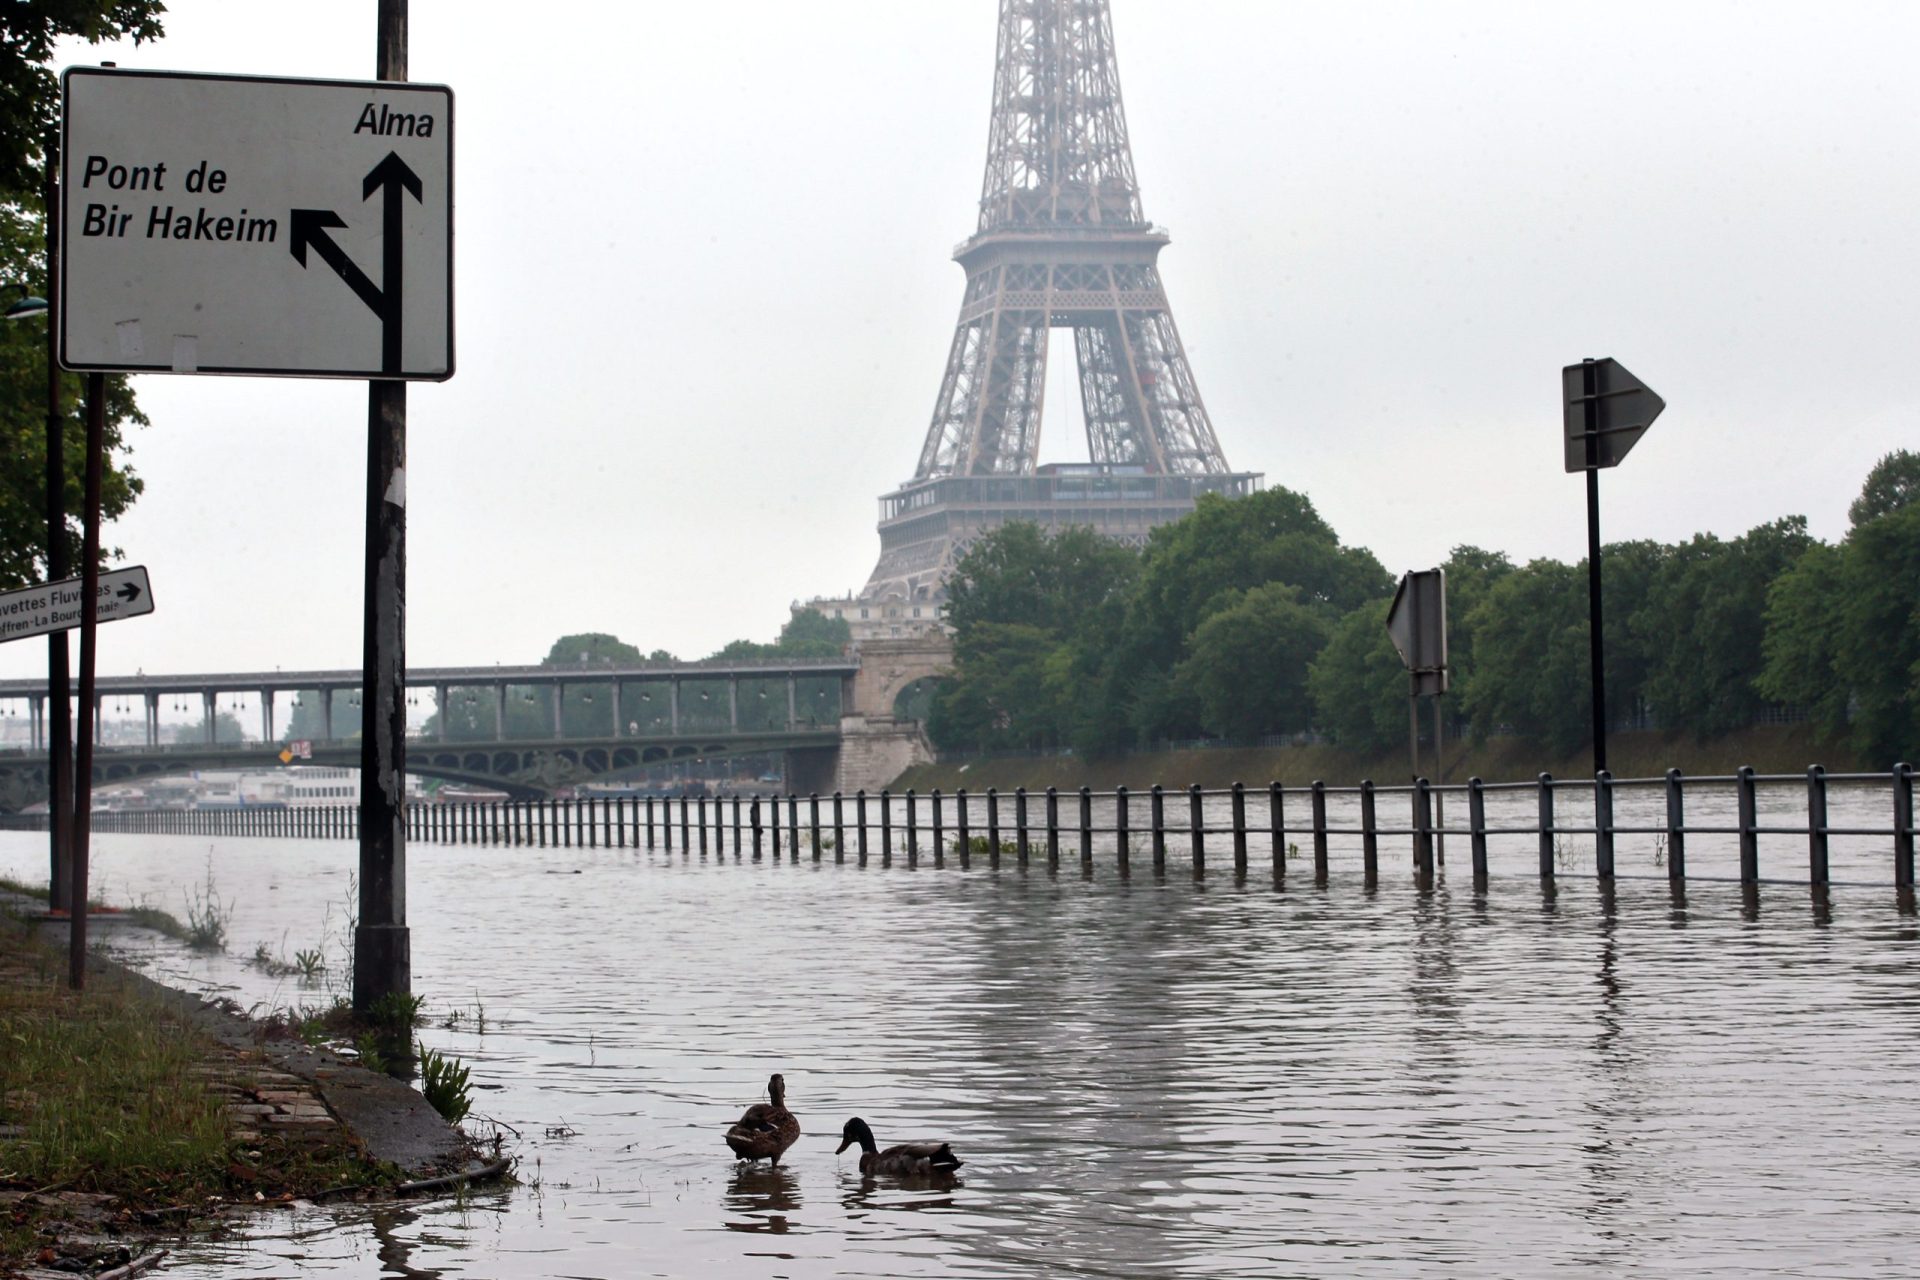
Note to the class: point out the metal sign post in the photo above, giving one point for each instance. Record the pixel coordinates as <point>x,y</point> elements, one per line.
<point>382,944</point>
<point>59,718</point>
<point>1605,412</point>
<point>298,228</point>
<point>1417,625</point>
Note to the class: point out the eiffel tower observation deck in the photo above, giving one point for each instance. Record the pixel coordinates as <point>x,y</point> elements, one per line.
<point>1062,243</point>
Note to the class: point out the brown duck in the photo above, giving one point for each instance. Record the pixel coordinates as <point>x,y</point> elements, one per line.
<point>909,1158</point>
<point>766,1129</point>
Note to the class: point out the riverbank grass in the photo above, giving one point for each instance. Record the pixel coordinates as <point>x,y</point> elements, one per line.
<point>144,915</point>
<point>99,1092</point>
<point>109,1092</point>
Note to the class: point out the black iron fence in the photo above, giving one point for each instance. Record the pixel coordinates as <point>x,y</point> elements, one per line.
<point>1565,825</point>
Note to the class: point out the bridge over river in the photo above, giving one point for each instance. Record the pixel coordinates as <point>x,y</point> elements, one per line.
<point>841,723</point>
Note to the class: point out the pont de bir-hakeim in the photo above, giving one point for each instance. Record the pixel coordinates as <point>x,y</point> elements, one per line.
<point>1062,243</point>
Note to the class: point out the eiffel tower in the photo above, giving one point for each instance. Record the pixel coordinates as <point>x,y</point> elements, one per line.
<point>1062,243</point>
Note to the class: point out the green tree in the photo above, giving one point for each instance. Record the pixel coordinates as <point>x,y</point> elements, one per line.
<point>1358,683</point>
<point>226,728</point>
<point>1247,664</point>
<point>812,634</point>
<point>1006,695</point>
<point>808,633</point>
<point>29,93</point>
<point>1227,545</point>
<point>29,111</point>
<point>1877,648</point>
<point>1032,616</point>
<point>308,722</point>
<point>1801,647</point>
<point>1893,483</point>
<point>23,425</point>
<point>1704,620</point>
<point>1530,657</point>
<point>1072,582</point>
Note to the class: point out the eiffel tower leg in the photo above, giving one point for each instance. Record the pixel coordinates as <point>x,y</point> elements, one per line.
<point>987,419</point>
<point>1110,394</point>
<point>1176,419</point>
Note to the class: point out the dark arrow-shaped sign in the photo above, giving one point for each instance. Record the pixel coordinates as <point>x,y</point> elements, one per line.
<point>1606,410</point>
<point>129,593</point>
<point>310,227</point>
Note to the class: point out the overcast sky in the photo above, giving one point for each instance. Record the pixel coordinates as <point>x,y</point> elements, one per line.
<point>705,295</point>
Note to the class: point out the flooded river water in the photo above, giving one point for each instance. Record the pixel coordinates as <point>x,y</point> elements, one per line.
<point>1148,1077</point>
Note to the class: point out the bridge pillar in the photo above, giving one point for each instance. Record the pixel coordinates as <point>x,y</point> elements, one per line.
<point>874,750</point>
<point>36,722</point>
<point>210,710</point>
<point>440,700</point>
<point>733,704</point>
<point>500,711</point>
<point>266,715</point>
<point>326,713</point>
<point>153,719</point>
<point>559,694</point>
<point>618,730</point>
<point>813,770</point>
<point>793,703</point>
<point>673,707</point>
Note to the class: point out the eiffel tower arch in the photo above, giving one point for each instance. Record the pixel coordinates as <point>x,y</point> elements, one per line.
<point>1062,247</point>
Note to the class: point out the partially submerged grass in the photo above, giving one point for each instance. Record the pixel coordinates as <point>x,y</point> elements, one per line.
<point>100,1087</point>
<point>146,915</point>
<point>108,1091</point>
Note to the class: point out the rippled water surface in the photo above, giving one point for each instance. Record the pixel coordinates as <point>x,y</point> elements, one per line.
<point>1155,1076</point>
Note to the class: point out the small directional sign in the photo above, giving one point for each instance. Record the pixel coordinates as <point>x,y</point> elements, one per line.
<point>1417,625</point>
<point>240,224</point>
<point>55,606</point>
<point>1607,406</point>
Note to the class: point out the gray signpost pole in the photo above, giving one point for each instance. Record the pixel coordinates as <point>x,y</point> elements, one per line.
<point>382,961</point>
<point>1604,412</point>
<point>1596,650</point>
<point>59,727</point>
<point>82,827</point>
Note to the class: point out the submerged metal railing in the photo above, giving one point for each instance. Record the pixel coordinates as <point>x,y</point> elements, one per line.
<point>998,827</point>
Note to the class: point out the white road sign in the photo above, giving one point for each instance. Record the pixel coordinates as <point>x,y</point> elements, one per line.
<point>238,224</point>
<point>55,606</point>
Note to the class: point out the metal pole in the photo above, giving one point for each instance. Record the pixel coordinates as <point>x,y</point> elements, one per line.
<point>1603,825</point>
<point>83,732</point>
<point>1590,387</point>
<point>1817,826</point>
<point>1369,838</point>
<point>1439,784</point>
<point>382,949</point>
<point>58,729</point>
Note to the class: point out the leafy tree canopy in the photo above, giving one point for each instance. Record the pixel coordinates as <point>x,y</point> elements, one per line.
<point>1893,483</point>
<point>1248,663</point>
<point>590,648</point>
<point>29,111</point>
<point>29,92</point>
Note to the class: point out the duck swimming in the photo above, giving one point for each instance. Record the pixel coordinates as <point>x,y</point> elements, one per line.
<point>766,1129</point>
<point>906,1158</point>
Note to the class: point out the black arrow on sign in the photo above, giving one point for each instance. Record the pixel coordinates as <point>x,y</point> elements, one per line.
<point>128,592</point>
<point>393,176</point>
<point>309,227</point>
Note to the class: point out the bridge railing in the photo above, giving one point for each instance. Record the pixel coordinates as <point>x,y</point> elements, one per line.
<point>1848,828</point>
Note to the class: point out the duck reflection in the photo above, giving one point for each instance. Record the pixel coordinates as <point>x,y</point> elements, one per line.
<point>764,1196</point>
<point>864,1191</point>
<point>396,1249</point>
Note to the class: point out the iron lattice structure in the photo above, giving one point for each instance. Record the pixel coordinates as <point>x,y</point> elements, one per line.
<point>1062,243</point>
